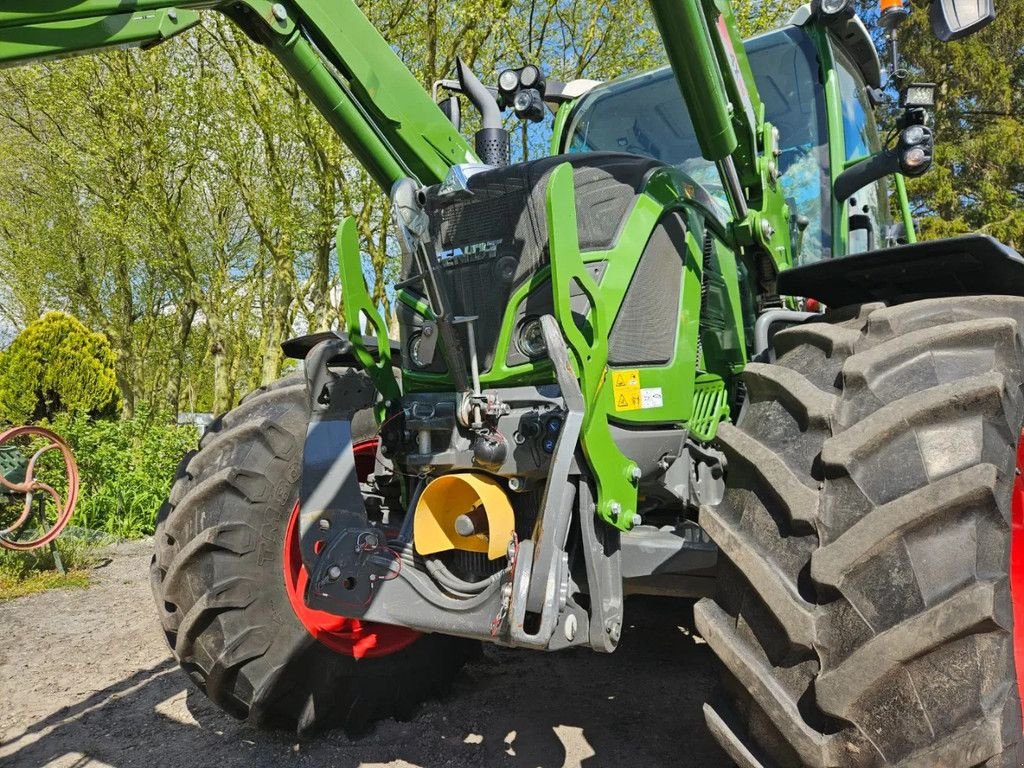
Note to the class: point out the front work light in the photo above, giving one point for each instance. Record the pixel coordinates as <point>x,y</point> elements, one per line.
<point>918,96</point>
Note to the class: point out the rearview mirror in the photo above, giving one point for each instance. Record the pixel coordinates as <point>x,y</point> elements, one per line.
<point>953,19</point>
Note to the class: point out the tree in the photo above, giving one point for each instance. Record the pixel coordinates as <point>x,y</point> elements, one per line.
<point>977,180</point>
<point>184,200</point>
<point>57,365</point>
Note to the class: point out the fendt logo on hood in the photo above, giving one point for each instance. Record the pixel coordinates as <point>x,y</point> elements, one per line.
<point>466,254</point>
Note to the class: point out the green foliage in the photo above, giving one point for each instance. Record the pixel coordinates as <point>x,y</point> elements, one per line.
<point>30,583</point>
<point>57,364</point>
<point>126,469</point>
<point>184,200</point>
<point>977,180</point>
<point>24,573</point>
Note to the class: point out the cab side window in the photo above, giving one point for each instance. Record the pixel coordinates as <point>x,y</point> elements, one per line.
<point>868,209</point>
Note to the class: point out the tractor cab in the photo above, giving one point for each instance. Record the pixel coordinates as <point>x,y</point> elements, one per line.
<point>818,86</point>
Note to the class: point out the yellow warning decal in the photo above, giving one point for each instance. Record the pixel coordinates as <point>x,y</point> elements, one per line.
<point>626,390</point>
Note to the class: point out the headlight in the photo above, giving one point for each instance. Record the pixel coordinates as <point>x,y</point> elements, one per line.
<point>831,11</point>
<point>913,135</point>
<point>915,157</point>
<point>529,77</point>
<point>530,339</point>
<point>915,150</point>
<point>508,81</point>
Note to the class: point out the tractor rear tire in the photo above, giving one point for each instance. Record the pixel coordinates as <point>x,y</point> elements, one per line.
<point>866,602</point>
<point>219,578</point>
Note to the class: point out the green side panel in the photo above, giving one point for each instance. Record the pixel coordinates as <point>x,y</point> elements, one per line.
<point>77,35</point>
<point>710,406</point>
<point>669,386</point>
<point>612,470</point>
<point>359,306</point>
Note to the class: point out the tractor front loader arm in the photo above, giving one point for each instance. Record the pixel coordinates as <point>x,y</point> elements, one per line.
<point>329,47</point>
<point>706,52</point>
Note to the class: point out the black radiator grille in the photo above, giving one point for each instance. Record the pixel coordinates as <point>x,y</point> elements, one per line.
<point>489,242</point>
<point>645,330</point>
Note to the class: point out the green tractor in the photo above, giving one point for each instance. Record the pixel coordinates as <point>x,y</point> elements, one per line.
<point>688,354</point>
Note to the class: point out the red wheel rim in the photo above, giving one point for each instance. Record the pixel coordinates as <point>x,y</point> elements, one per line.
<point>351,637</point>
<point>1017,568</point>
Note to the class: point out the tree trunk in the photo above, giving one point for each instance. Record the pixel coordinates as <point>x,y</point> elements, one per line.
<point>221,366</point>
<point>185,319</point>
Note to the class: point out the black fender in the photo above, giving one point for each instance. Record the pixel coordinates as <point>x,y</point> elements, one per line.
<point>956,266</point>
<point>299,347</point>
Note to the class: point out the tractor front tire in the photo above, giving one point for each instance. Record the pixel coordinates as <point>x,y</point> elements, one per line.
<point>229,605</point>
<point>866,603</point>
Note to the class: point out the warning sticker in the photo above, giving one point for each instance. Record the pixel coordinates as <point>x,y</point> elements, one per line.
<point>651,398</point>
<point>626,390</point>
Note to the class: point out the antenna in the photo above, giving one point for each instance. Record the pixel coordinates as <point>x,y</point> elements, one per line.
<point>893,13</point>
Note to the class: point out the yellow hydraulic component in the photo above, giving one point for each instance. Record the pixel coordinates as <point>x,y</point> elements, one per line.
<point>463,511</point>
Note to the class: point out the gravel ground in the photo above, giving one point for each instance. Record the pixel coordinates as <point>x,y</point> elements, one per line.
<point>86,680</point>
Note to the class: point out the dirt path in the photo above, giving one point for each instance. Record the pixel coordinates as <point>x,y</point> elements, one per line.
<point>86,680</point>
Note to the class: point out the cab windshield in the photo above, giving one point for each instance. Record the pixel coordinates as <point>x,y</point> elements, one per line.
<point>646,115</point>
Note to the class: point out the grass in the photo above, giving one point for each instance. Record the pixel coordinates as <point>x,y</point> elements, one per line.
<point>26,573</point>
<point>40,581</point>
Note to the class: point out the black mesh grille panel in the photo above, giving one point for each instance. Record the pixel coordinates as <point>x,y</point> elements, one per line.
<point>644,332</point>
<point>489,242</point>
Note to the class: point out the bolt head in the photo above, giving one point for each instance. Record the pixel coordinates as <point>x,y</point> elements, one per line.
<point>325,525</point>
<point>635,474</point>
<point>334,573</point>
<point>614,630</point>
<point>172,14</point>
<point>280,12</point>
<point>615,508</point>
<point>637,520</point>
<point>766,229</point>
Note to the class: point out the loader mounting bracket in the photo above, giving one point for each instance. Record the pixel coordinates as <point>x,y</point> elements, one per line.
<point>345,556</point>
